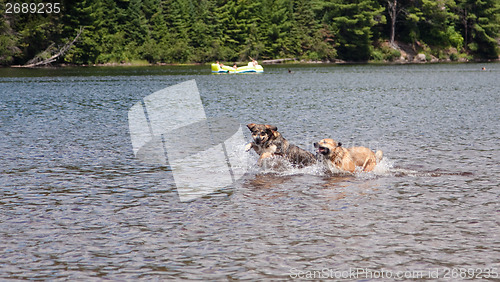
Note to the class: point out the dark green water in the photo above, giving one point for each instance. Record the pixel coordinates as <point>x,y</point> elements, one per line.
<point>75,204</point>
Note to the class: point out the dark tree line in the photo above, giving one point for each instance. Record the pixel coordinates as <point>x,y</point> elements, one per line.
<point>179,31</point>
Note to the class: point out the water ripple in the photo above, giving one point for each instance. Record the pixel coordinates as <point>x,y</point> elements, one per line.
<point>76,205</point>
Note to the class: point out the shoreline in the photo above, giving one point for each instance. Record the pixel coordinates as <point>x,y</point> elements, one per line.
<point>286,61</point>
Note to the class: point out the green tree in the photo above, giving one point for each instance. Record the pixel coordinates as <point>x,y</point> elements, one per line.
<point>276,24</point>
<point>177,31</point>
<point>436,24</point>
<point>241,23</point>
<point>8,48</point>
<point>352,23</point>
<point>480,24</point>
<point>33,33</point>
<point>76,14</point>
<point>314,40</point>
<point>205,28</point>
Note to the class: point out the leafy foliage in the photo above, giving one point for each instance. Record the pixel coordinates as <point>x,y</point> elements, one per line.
<point>180,31</point>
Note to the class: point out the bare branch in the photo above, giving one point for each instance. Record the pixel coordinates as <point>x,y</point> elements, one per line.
<point>37,60</point>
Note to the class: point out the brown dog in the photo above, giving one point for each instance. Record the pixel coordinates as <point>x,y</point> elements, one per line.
<point>347,159</point>
<point>269,142</point>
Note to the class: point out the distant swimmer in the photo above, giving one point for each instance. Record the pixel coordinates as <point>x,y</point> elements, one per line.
<point>483,68</point>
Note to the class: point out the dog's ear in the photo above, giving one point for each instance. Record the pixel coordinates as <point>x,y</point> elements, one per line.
<point>339,144</point>
<point>251,126</point>
<point>271,127</point>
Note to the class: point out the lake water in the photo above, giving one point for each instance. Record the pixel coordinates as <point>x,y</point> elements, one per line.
<point>76,204</point>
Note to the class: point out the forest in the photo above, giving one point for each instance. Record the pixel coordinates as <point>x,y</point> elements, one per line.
<point>201,31</point>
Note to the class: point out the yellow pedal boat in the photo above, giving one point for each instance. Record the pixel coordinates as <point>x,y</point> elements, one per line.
<point>216,68</point>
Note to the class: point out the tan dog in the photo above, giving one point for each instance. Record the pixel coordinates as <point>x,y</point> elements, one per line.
<point>365,158</point>
<point>269,142</point>
<point>347,159</point>
<point>335,155</point>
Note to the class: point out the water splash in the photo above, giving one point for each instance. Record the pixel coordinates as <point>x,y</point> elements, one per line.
<point>386,168</point>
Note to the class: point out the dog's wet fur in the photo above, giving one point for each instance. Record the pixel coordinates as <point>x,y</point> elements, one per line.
<point>347,159</point>
<point>268,142</point>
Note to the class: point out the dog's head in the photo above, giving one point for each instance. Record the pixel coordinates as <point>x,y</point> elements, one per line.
<point>327,147</point>
<point>261,133</point>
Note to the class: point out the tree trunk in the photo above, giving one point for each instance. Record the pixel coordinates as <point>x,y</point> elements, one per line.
<point>393,13</point>
<point>466,30</point>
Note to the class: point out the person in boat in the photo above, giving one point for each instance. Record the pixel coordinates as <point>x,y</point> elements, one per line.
<point>253,63</point>
<point>219,65</point>
<point>235,66</point>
